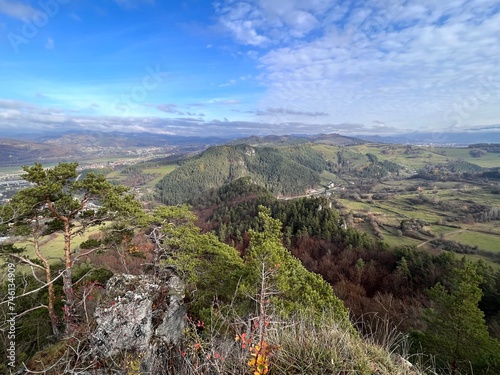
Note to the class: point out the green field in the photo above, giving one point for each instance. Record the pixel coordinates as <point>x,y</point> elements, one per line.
<point>328,152</point>
<point>441,229</point>
<point>328,176</point>
<point>413,156</point>
<point>418,157</point>
<point>356,206</point>
<point>402,210</point>
<point>489,160</point>
<point>443,205</point>
<point>52,247</point>
<point>391,238</point>
<point>488,242</point>
<point>162,170</point>
<point>19,169</point>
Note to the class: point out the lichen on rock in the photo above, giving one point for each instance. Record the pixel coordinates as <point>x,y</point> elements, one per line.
<point>140,314</point>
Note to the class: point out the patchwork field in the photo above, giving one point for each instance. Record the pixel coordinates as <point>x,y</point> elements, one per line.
<point>423,197</point>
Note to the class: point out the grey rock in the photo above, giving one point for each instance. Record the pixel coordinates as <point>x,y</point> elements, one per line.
<point>140,314</point>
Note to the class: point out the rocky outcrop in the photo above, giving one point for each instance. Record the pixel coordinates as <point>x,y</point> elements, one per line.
<point>143,315</point>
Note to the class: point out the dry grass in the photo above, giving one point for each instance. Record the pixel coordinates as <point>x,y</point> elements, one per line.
<point>304,345</point>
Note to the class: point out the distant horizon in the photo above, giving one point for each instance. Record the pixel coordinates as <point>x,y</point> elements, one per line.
<point>152,131</point>
<point>458,138</point>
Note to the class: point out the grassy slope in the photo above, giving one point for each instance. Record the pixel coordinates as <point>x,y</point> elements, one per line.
<point>163,170</point>
<point>484,241</point>
<point>490,160</point>
<point>52,247</point>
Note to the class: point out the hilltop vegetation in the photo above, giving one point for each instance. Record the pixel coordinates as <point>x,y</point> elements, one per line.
<point>295,140</point>
<point>283,171</point>
<point>265,289</point>
<point>389,229</point>
<point>261,257</point>
<point>378,283</point>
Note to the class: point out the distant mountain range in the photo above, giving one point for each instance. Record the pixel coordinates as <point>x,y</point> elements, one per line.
<point>86,145</point>
<point>436,138</point>
<point>14,152</point>
<point>295,139</point>
<point>122,139</point>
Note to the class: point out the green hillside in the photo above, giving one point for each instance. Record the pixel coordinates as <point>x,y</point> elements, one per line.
<point>283,171</point>
<point>376,187</point>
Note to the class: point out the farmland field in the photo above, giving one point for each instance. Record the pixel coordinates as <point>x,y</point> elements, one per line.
<point>162,170</point>
<point>449,206</point>
<point>484,241</point>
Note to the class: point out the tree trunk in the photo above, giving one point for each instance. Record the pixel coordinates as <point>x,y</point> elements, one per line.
<point>69,293</point>
<point>52,299</point>
<point>48,278</point>
<point>453,367</point>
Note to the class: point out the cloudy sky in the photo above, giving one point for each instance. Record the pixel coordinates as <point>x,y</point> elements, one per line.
<point>202,67</point>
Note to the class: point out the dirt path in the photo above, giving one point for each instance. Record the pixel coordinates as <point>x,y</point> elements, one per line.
<point>447,234</point>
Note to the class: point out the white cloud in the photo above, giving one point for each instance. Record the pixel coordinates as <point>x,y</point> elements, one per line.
<point>169,108</point>
<point>402,63</point>
<point>224,101</point>
<point>245,32</point>
<point>16,9</point>
<point>22,117</point>
<point>231,82</point>
<point>262,23</point>
<point>286,111</point>
<point>235,81</point>
<point>300,22</point>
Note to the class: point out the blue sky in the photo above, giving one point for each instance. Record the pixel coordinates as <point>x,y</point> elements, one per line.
<point>200,67</point>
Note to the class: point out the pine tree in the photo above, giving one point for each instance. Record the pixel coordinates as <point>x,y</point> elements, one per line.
<point>456,330</point>
<point>211,269</point>
<point>62,202</point>
<point>296,288</point>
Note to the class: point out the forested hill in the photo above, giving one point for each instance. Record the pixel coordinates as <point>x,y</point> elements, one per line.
<point>232,210</point>
<point>283,171</point>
